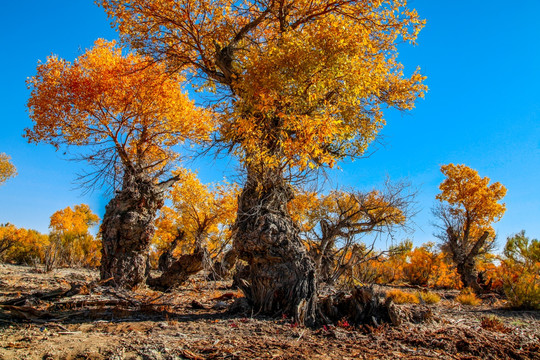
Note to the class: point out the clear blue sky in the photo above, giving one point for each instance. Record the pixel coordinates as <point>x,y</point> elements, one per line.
<point>482,60</point>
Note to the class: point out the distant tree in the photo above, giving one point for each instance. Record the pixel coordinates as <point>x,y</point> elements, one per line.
<point>197,224</point>
<point>70,228</point>
<point>472,205</point>
<point>334,225</point>
<point>22,246</point>
<point>7,169</point>
<point>8,238</point>
<point>126,114</point>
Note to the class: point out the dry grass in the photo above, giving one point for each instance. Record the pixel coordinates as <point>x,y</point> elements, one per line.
<point>402,297</point>
<point>428,297</point>
<point>468,297</point>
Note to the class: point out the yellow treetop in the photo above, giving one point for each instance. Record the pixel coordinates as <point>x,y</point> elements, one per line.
<point>305,82</point>
<point>74,221</point>
<point>7,169</point>
<point>471,198</point>
<point>128,112</point>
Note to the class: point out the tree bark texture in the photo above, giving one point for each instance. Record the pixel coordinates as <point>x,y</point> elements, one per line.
<point>127,229</point>
<point>179,271</point>
<point>280,276</point>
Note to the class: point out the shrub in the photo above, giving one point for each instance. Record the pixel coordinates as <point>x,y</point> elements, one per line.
<point>468,297</point>
<point>521,269</point>
<point>402,297</point>
<point>428,297</point>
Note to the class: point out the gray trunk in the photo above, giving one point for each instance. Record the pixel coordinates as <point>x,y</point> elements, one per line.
<point>280,276</point>
<point>127,229</point>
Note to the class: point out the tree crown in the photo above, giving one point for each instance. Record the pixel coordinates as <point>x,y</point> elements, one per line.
<point>126,111</point>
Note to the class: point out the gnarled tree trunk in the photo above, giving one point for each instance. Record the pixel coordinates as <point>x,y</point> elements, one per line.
<point>128,228</point>
<point>179,271</point>
<point>280,276</point>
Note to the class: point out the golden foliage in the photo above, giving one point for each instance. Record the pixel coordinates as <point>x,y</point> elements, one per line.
<point>127,110</point>
<point>27,246</point>
<point>7,169</point>
<point>428,297</point>
<point>69,232</point>
<point>309,79</point>
<point>521,272</point>
<point>419,267</point>
<point>472,198</point>
<point>204,212</point>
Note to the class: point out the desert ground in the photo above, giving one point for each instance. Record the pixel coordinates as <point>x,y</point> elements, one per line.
<point>68,314</point>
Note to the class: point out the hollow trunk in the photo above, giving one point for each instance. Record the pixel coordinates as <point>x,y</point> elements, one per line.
<point>280,276</point>
<point>127,229</point>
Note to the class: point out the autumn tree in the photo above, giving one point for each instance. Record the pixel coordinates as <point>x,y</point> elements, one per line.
<point>7,169</point>
<point>335,225</point>
<point>194,232</point>
<point>70,236</point>
<point>126,115</point>
<point>22,246</point>
<point>299,85</point>
<point>469,205</point>
<point>8,238</point>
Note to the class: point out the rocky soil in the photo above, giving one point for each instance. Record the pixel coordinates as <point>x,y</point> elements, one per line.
<point>67,314</point>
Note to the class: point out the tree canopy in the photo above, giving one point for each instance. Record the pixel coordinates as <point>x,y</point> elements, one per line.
<point>304,82</point>
<point>127,112</point>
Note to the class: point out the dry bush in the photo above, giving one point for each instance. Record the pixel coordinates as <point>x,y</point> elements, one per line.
<point>428,297</point>
<point>468,297</point>
<point>493,323</point>
<point>402,297</point>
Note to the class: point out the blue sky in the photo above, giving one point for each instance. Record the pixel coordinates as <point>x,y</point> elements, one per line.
<point>482,60</point>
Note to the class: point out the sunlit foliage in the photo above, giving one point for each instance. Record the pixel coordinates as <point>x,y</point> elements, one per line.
<point>7,169</point>
<point>22,246</point>
<point>126,112</point>
<point>522,271</point>
<point>472,205</point>
<point>71,238</point>
<point>203,212</point>
<point>305,82</point>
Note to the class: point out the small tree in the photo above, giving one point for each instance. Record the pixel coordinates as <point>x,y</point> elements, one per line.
<point>69,227</point>
<point>472,205</point>
<point>127,114</point>
<point>334,225</point>
<point>7,169</point>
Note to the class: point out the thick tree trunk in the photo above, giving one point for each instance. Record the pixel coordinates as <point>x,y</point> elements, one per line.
<point>280,276</point>
<point>127,229</point>
<point>469,275</point>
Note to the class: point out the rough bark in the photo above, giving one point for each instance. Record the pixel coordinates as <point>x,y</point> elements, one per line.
<point>127,229</point>
<point>280,276</point>
<point>166,259</point>
<point>221,268</point>
<point>367,306</point>
<point>466,261</point>
<point>179,271</point>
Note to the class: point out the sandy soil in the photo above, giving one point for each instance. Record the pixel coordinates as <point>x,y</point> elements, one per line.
<point>66,314</point>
